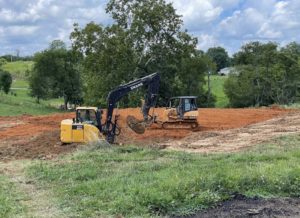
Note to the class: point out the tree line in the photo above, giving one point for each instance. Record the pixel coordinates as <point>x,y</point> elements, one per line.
<point>264,74</point>
<point>147,37</point>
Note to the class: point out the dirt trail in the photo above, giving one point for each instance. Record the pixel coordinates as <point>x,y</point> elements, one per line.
<point>38,136</point>
<point>36,200</point>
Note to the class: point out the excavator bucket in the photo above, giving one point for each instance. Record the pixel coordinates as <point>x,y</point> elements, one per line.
<point>135,124</point>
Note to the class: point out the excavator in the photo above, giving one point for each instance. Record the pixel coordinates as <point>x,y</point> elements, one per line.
<point>87,126</point>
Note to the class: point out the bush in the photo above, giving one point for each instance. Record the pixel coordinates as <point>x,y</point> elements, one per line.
<point>5,81</point>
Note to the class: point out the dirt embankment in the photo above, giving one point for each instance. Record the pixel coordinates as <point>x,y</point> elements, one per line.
<point>38,136</point>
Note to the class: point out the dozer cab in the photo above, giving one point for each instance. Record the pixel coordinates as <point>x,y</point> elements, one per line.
<point>181,112</point>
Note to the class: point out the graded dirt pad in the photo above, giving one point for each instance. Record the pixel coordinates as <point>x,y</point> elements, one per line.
<point>210,120</point>
<point>241,207</point>
<point>38,136</point>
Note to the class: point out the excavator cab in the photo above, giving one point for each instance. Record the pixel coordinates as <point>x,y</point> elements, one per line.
<point>83,128</point>
<point>88,115</point>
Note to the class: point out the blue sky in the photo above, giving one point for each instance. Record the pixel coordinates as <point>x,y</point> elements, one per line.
<point>29,25</point>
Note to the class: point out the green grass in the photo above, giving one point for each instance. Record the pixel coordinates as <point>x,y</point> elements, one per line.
<point>19,84</point>
<point>18,68</point>
<point>9,199</point>
<point>217,84</point>
<point>22,103</point>
<point>137,182</point>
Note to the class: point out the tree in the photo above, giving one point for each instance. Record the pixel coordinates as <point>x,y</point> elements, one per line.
<point>57,44</point>
<point>108,58</point>
<point>2,62</point>
<point>56,74</point>
<point>39,85</point>
<point>5,81</point>
<point>146,37</point>
<point>220,56</point>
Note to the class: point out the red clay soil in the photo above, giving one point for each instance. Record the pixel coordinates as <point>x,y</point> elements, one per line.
<point>38,136</point>
<point>209,119</point>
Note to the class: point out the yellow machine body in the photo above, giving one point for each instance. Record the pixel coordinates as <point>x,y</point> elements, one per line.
<point>80,130</point>
<point>171,114</point>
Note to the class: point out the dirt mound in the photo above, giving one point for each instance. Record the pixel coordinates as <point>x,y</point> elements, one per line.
<point>242,207</point>
<point>38,136</point>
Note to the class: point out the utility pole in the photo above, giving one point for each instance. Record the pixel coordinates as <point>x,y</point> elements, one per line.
<point>208,87</point>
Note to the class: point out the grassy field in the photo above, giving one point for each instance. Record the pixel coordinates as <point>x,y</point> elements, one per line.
<point>137,182</point>
<point>217,83</point>
<point>9,199</point>
<point>17,83</point>
<point>22,103</point>
<point>18,68</point>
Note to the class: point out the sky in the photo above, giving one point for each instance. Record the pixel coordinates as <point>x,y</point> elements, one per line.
<point>28,26</point>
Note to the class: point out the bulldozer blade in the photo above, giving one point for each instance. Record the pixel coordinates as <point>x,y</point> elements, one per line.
<point>136,125</point>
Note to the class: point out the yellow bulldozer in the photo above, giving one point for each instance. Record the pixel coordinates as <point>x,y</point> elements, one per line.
<point>182,112</point>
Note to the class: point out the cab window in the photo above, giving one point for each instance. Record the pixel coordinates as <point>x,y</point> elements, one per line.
<point>87,116</point>
<point>174,103</point>
<point>190,104</point>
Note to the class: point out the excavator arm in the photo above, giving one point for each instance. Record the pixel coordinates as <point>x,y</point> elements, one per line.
<point>152,83</point>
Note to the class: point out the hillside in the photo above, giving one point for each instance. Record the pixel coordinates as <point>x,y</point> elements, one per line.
<point>18,68</point>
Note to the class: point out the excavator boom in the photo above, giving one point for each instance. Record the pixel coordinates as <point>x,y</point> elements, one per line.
<point>152,83</point>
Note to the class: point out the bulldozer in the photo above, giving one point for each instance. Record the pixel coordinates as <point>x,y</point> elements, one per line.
<point>181,113</point>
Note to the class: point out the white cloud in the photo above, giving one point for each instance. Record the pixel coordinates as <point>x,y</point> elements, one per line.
<point>242,24</point>
<point>206,41</point>
<point>197,12</point>
<point>30,25</point>
<point>20,30</point>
